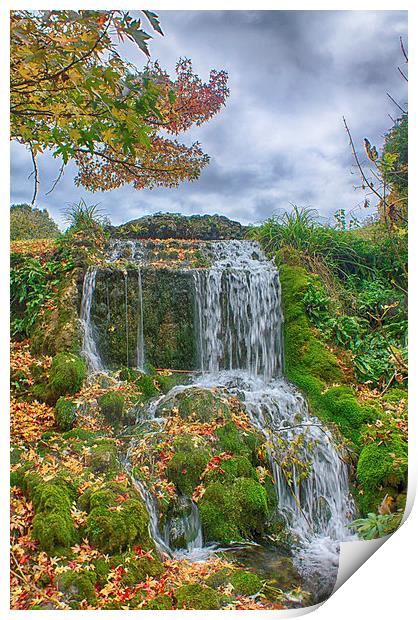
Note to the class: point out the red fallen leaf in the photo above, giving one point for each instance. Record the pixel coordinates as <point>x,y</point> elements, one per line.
<point>24,559</point>
<point>184,472</point>
<point>120,478</point>
<point>122,498</point>
<point>72,564</point>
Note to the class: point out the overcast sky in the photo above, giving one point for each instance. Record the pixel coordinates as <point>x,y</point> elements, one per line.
<point>280,139</point>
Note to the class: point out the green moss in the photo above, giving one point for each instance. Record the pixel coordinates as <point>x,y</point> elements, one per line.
<point>115,523</point>
<point>220,578</point>
<point>233,512</point>
<point>111,406</point>
<point>187,465</point>
<point>195,596</point>
<point>66,375</point>
<point>231,439</point>
<point>103,458</point>
<point>146,385</point>
<point>245,583</point>
<point>200,404</point>
<point>377,465</point>
<point>237,467</point>
<point>161,601</point>
<point>52,524</point>
<point>78,586</point>
<point>82,434</point>
<point>65,414</point>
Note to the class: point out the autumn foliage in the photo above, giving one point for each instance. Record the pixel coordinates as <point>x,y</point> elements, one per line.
<point>73,94</point>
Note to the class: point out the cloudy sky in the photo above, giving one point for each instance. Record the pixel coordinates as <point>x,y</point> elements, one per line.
<point>280,139</point>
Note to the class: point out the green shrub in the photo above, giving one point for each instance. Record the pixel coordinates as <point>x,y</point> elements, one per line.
<point>65,414</point>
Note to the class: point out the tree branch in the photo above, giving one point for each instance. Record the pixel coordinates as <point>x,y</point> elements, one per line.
<point>359,166</point>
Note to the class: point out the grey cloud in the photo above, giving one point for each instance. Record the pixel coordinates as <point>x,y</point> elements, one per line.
<point>280,138</point>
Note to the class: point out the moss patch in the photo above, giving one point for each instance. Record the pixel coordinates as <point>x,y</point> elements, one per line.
<point>117,520</point>
<point>65,414</point>
<point>233,512</point>
<point>111,406</point>
<point>78,586</point>
<point>195,596</point>
<point>66,375</point>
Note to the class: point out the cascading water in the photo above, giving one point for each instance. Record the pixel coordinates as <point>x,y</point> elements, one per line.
<point>238,311</point>
<point>238,331</point>
<point>89,347</point>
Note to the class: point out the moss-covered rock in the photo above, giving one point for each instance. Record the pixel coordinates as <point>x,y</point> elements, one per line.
<point>52,524</point>
<point>245,583</point>
<point>117,520</point>
<point>65,414</point>
<point>111,406</point>
<point>161,601</point>
<point>232,439</point>
<point>78,585</point>
<point>187,465</point>
<point>66,375</point>
<point>196,403</point>
<point>233,512</point>
<point>103,458</point>
<point>381,466</point>
<point>196,596</point>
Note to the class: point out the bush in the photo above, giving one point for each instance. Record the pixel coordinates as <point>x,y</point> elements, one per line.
<point>27,222</point>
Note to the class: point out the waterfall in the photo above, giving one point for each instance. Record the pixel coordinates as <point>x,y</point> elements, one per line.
<point>140,353</point>
<point>89,347</point>
<point>238,332</point>
<point>239,323</point>
<point>239,313</point>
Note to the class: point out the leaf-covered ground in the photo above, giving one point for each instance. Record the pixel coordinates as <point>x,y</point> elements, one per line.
<point>39,580</point>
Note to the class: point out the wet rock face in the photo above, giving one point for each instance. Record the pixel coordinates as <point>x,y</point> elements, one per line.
<point>168,317</point>
<point>177,226</point>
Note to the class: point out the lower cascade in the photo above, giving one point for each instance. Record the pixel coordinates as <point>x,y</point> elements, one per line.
<point>238,339</point>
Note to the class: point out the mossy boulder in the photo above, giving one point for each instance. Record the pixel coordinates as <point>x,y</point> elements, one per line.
<point>135,569</point>
<point>52,524</point>
<point>78,586</point>
<point>380,466</point>
<point>66,375</point>
<point>245,583</point>
<point>187,465</point>
<point>65,414</point>
<point>161,601</point>
<point>103,457</point>
<point>240,443</point>
<point>196,596</point>
<point>198,404</point>
<point>117,519</point>
<point>233,512</point>
<point>111,406</point>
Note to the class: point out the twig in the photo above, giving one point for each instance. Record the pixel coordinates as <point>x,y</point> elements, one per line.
<point>402,74</point>
<point>403,50</point>
<point>397,104</point>
<point>61,172</point>
<point>36,177</point>
<point>359,166</point>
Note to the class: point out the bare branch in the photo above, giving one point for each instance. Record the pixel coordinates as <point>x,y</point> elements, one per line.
<point>61,172</point>
<point>402,74</point>
<point>359,166</point>
<point>397,104</point>
<point>403,50</point>
<point>35,176</point>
